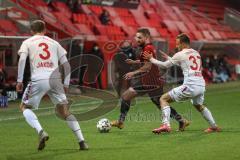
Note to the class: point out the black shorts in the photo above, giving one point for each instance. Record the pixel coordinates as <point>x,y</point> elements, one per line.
<point>152,91</point>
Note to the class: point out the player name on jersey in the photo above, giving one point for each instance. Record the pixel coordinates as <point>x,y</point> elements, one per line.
<point>45,64</point>
<point>198,74</point>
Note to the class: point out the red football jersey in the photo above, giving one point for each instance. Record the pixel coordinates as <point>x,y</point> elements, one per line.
<point>153,77</point>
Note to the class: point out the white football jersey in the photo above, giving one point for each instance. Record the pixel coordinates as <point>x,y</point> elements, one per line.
<point>190,62</point>
<point>44,54</point>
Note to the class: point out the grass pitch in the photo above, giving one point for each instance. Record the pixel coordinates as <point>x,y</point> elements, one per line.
<point>19,141</point>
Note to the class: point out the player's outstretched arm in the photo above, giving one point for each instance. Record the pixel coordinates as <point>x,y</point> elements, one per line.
<point>166,64</point>
<point>161,64</point>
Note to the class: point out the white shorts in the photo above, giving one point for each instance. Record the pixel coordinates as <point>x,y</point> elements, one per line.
<point>36,90</point>
<point>185,92</point>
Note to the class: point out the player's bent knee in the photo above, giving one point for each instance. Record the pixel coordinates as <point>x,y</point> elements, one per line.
<point>23,106</point>
<point>165,100</point>
<point>125,97</point>
<point>162,99</point>
<point>62,111</point>
<point>129,94</point>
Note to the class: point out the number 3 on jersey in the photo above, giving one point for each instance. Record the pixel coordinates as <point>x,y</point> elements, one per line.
<point>197,63</point>
<point>47,54</point>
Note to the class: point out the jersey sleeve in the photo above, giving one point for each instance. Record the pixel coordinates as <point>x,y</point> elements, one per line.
<point>23,49</point>
<point>61,51</point>
<point>176,59</point>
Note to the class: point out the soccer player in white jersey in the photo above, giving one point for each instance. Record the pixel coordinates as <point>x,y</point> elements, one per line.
<point>44,54</point>
<point>192,88</point>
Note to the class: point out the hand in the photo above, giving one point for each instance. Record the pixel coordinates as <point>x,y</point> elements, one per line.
<point>147,55</point>
<point>129,75</point>
<point>130,61</point>
<point>164,55</point>
<point>19,87</point>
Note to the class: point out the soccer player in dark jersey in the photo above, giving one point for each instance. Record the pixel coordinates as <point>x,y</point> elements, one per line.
<point>145,80</point>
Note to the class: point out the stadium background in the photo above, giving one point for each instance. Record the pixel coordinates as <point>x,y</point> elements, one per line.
<point>214,27</point>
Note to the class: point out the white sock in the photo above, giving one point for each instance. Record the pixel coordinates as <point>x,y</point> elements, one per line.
<point>166,115</point>
<point>208,116</point>
<point>74,125</point>
<point>32,119</point>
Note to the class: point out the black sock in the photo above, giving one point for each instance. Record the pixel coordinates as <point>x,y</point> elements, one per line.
<point>125,106</point>
<point>175,115</point>
<point>155,100</point>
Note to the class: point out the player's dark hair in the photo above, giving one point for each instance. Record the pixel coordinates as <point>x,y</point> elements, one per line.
<point>183,38</point>
<point>144,31</point>
<point>37,26</point>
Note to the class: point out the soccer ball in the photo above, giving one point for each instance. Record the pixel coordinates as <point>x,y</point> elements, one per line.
<point>103,125</point>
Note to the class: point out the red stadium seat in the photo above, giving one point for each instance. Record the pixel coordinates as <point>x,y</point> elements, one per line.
<point>86,10</point>
<point>129,30</point>
<point>46,14</point>
<point>84,29</point>
<point>62,7</point>
<point>95,9</point>
<point>80,18</point>
<point>154,22</point>
<point>66,23</point>
<point>198,35</point>
<point>139,17</point>
<point>109,30</point>
<point>171,25</point>
<point>154,32</point>
<point>111,11</point>
<point>223,35</point>
<point>181,26</point>
<point>191,26</point>
<point>2,33</point>
<point>8,27</point>
<point>117,21</point>
<point>15,13</point>
<point>163,32</point>
<point>123,12</point>
<point>207,35</point>
<point>129,21</point>
<point>166,18</point>
<point>215,34</point>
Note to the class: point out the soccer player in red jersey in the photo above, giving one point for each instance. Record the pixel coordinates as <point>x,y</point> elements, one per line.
<point>145,80</point>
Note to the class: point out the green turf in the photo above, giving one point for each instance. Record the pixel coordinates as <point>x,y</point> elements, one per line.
<point>18,141</point>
